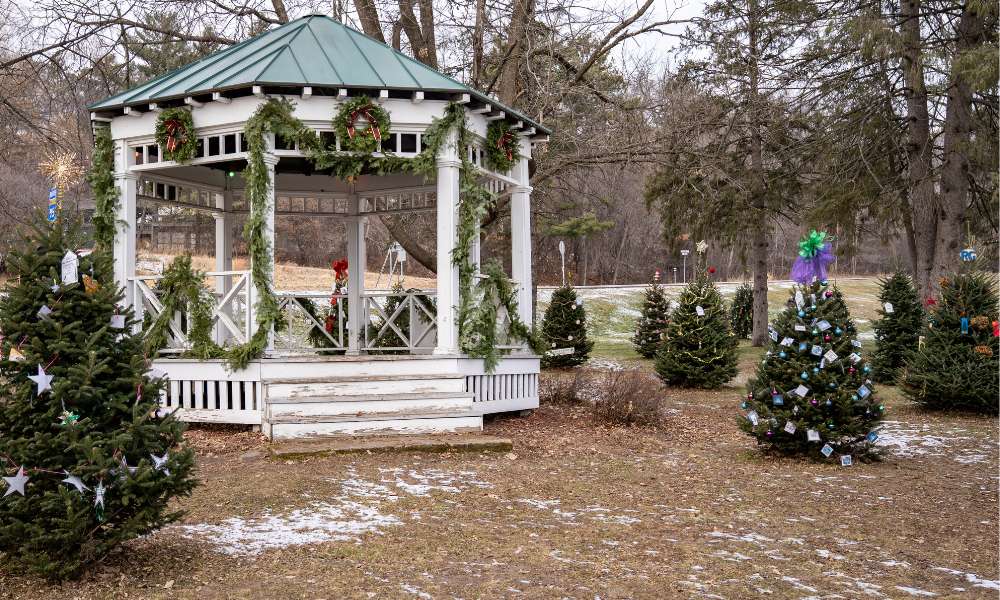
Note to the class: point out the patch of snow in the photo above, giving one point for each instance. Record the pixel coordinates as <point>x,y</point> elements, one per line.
<point>797,584</point>
<point>422,483</point>
<point>320,522</point>
<point>895,563</point>
<point>975,580</point>
<point>915,591</point>
<point>910,440</point>
<point>730,556</point>
<point>539,504</point>
<point>750,538</point>
<point>827,554</point>
<point>415,591</point>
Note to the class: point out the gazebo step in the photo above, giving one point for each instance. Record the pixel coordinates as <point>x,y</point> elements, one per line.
<point>302,419</point>
<point>367,397</point>
<point>361,407</point>
<point>379,427</point>
<point>365,385</point>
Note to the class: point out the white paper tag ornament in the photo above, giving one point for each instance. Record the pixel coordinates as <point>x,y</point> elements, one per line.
<point>70,262</point>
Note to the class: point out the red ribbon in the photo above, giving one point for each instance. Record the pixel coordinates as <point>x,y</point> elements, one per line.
<point>504,144</point>
<point>173,126</point>
<point>372,123</point>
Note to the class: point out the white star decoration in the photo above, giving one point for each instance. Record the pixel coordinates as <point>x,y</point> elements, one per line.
<point>75,481</point>
<point>99,495</point>
<point>16,483</point>
<point>43,381</point>
<point>160,462</point>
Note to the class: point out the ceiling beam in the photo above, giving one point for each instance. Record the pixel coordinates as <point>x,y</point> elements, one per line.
<point>499,115</point>
<point>190,101</point>
<point>463,98</point>
<point>218,97</point>
<point>133,111</point>
<point>485,109</point>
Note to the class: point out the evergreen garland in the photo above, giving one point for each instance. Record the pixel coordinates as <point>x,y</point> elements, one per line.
<point>102,181</point>
<point>811,394</point>
<point>182,290</point>
<point>501,146</point>
<point>898,329</point>
<point>651,326</point>
<point>363,141</point>
<point>957,365</point>
<point>699,350</point>
<point>741,311</point>
<point>183,134</point>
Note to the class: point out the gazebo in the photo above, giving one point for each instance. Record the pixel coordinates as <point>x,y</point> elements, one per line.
<point>296,121</point>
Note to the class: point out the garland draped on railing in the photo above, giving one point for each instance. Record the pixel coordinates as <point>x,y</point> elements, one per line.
<point>182,291</point>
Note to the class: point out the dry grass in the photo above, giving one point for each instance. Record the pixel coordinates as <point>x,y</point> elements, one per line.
<point>628,397</point>
<point>585,510</point>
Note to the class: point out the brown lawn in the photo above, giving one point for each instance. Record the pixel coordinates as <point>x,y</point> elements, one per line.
<point>580,510</point>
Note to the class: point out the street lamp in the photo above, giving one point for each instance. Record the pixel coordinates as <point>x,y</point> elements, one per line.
<point>685,253</point>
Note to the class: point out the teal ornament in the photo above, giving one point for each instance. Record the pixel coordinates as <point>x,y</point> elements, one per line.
<point>824,283</point>
<point>867,369</point>
<point>829,402</point>
<point>804,375</point>
<point>854,397</point>
<point>815,370</point>
<point>881,407</point>
<point>815,331</point>
<point>813,307</point>
<point>833,384</point>
<point>743,405</point>
<point>803,346</point>
<point>802,313</point>
<point>782,354</point>
<point>838,331</point>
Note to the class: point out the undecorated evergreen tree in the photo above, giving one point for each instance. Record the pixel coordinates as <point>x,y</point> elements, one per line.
<point>897,329</point>
<point>957,365</point>
<point>811,394</point>
<point>565,326</point>
<point>741,311</point>
<point>652,323</point>
<point>88,461</point>
<point>699,349</point>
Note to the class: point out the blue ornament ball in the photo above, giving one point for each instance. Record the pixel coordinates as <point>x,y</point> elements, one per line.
<point>815,369</point>
<point>815,331</point>
<point>867,369</point>
<point>804,375</point>
<point>802,313</point>
<point>838,331</point>
<point>782,354</point>
<point>833,385</point>
<point>854,397</point>
<point>824,283</point>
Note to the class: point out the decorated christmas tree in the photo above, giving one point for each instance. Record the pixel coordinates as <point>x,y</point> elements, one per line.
<point>652,323</point>
<point>564,330</point>
<point>88,459</point>
<point>699,349</point>
<point>741,311</point>
<point>897,329</point>
<point>956,366</point>
<point>811,394</point>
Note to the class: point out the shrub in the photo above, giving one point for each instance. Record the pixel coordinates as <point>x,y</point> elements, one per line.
<point>627,397</point>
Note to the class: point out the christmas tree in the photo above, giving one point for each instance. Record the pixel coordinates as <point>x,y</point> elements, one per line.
<point>699,349</point>
<point>741,312</point>
<point>652,323</point>
<point>88,459</point>
<point>564,330</point>
<point>897,330</point>
<point>811,394</point>
<point>957,365</point>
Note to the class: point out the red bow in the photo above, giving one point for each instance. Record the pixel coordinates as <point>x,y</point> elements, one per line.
<point>174,127</point>
<point>340,268</point>
<point>372,123</point>
<point>504,144</point>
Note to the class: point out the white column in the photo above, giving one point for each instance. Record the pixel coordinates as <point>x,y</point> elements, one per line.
<point>124,250</point>
<point>271,161</point>
<point>357,317</point>
<point>520,234</point>
<point>223,252</point>
<point>448,165</point>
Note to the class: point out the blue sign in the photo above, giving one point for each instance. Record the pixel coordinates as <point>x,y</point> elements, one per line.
<point>53,204</point>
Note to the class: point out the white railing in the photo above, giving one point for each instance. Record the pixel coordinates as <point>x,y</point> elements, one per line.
<point>392,322</point>
<point>232,310</point>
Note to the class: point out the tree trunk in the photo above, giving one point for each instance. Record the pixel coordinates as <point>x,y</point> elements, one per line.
<point>957,134</point>
<point>279,10</point>
<point>413,248</point>
<point>368,15</point>
<point>477,44</point>
<point>761,236</point>
<point>510,84</point>
<point>919,150</point>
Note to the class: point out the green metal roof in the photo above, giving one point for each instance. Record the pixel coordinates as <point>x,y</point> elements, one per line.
<point>312,51</point>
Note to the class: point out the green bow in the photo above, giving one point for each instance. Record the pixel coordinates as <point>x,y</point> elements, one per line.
<point>812,243</point>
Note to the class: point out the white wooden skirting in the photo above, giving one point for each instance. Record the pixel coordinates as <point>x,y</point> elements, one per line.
<point>206,392</point>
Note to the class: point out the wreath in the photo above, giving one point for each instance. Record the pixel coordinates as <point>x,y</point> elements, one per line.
<point>175,134</point>
<point>501,146</point>
<point>368,137</point>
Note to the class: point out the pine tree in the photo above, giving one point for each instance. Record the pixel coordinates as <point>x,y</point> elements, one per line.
<point>956,368</point>
<point>699,350</point>
<point>102,461</point>
<point>652,323</point>
<point>565,326</point>
<point>741,312</point>
<point>811,394</point>
<point>897,330</point>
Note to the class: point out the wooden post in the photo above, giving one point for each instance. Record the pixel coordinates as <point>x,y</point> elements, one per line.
<point>223,252</point>
<point>448,165</point>
<point>356,260</point>
<point>124,249</point>
<point>520,234</point>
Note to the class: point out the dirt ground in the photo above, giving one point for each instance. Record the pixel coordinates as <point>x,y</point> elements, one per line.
<point>579,510</point>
